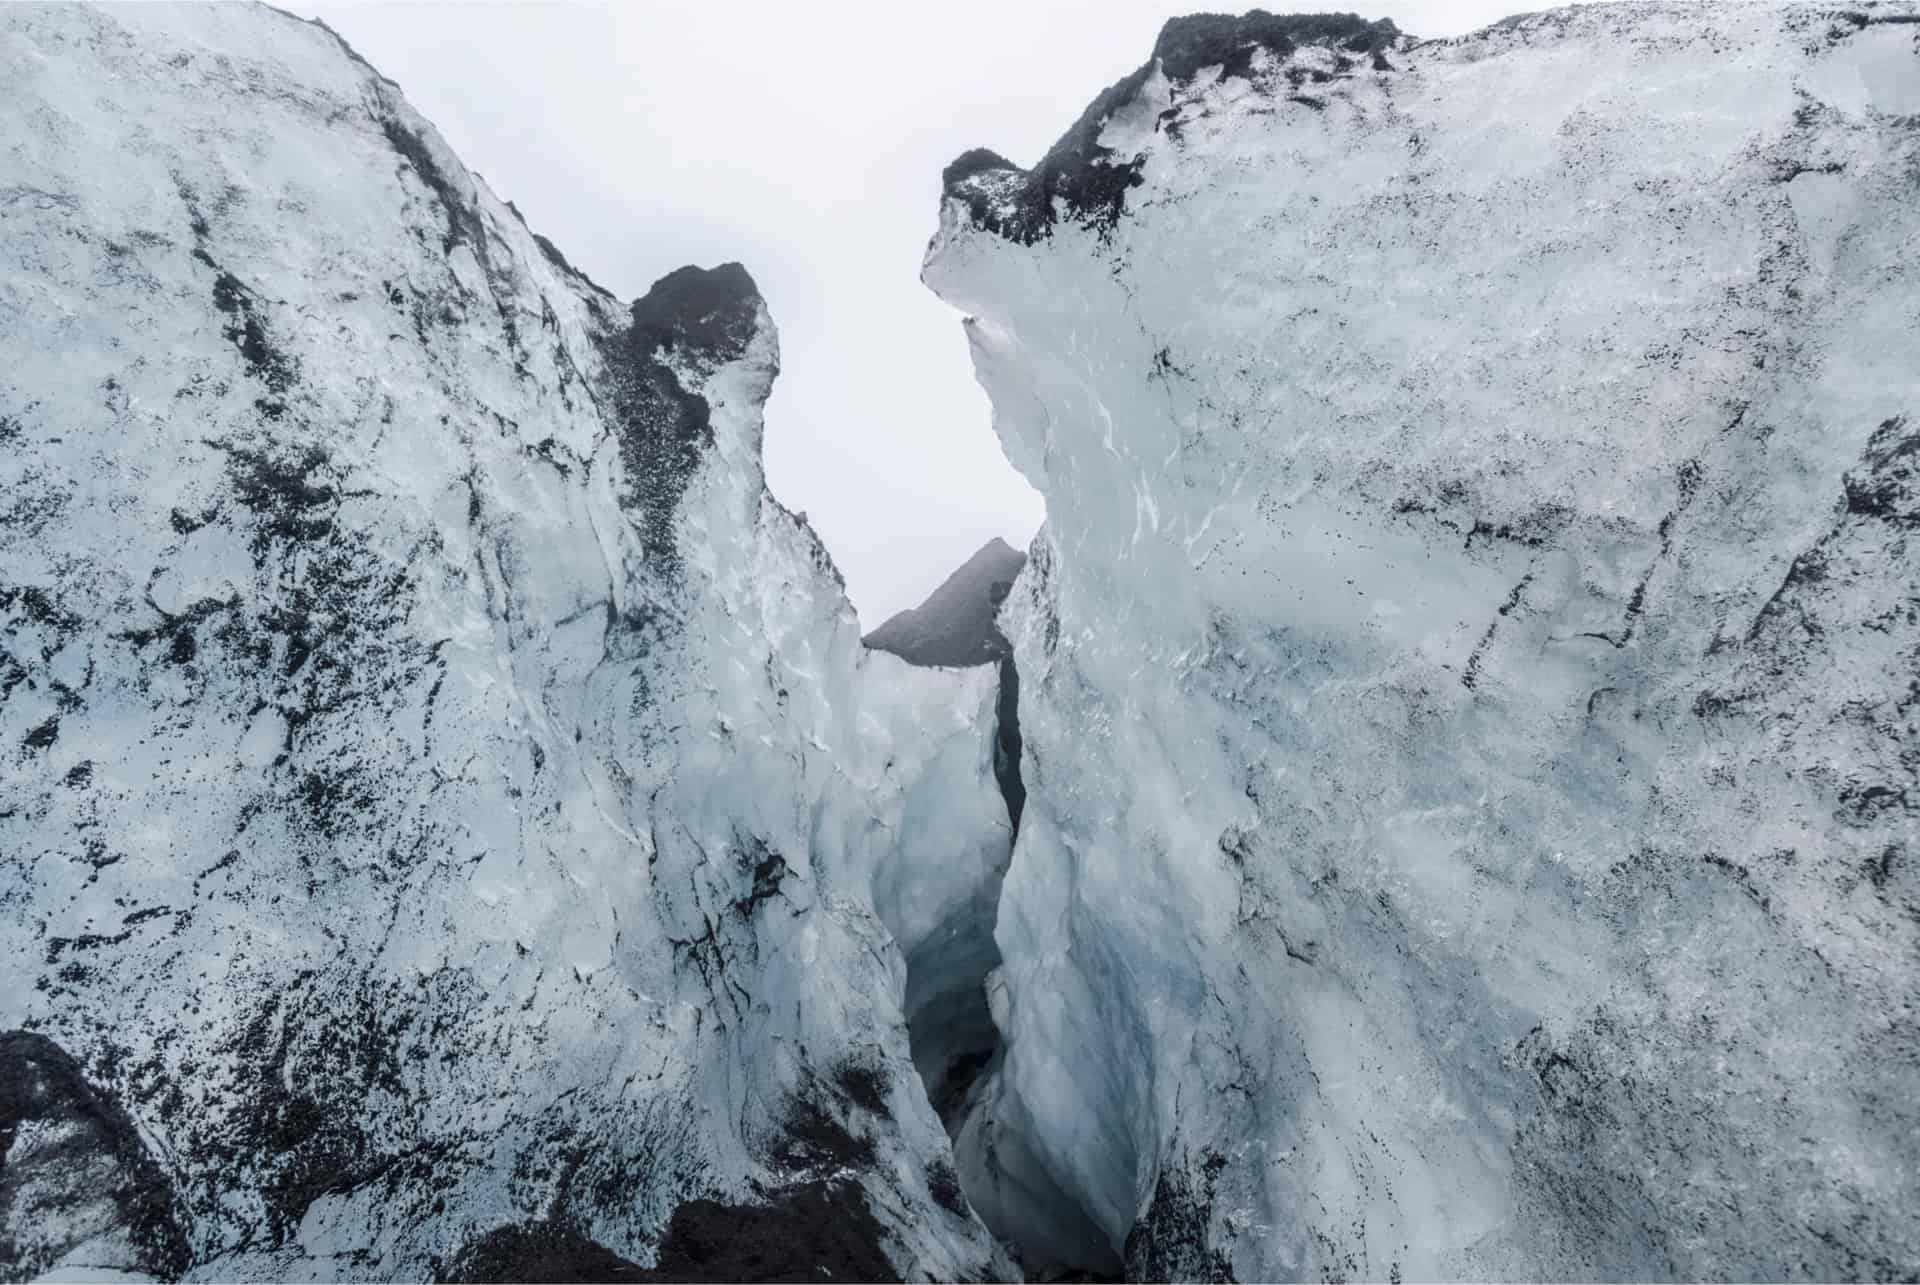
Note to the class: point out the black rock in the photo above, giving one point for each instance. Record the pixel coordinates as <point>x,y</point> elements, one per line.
<point>954,626</point>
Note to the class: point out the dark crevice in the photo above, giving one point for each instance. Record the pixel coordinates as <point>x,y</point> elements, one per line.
<point>949,1025</point>
<point>949,1022</point>
<point>955,1043</point>
<point>1006,721</point>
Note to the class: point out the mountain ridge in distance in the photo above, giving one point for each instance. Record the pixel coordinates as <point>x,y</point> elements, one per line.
<point>955,625</point>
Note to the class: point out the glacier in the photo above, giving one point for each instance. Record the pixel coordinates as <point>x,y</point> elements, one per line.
<point>447,806</point>
<point>1468,667</point>
<point>1437,800</point>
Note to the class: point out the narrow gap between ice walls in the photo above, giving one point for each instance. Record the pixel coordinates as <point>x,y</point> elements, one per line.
<point>953,971</point>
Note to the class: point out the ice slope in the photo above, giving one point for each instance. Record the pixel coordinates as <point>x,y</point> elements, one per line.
<point>1468,668</point>
<point>441,792</point>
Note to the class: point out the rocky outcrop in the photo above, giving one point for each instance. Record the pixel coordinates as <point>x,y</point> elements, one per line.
<point>448,815</point>
<point>954,626</point>
<point>1467,667</point>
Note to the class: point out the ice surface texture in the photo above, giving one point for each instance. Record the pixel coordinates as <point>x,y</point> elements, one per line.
<point>442,792</point>
<point>1468,669</point>
<point>449,824</point>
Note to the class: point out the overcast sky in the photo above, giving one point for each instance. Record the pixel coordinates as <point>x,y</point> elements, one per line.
<point>804,140</point>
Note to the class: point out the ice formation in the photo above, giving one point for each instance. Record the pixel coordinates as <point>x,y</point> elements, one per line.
<point>1468,668</point>
<point>447,807</point>
<point>1458,720</point>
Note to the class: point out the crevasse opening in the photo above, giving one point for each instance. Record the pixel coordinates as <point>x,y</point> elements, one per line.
<point>1006,721</point>
<point>957,1048</point>
<point>949,1021</point>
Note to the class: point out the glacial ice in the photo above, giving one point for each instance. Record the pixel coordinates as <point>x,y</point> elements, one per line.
<point>447,812</point>
<point>1467,690</point>
<point>443,791</point>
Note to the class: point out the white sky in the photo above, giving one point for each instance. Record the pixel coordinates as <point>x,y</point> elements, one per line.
<point>806,141</point>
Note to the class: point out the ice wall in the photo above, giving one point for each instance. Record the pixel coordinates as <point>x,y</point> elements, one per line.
<point>1467,671</point>
<point>445,806</point>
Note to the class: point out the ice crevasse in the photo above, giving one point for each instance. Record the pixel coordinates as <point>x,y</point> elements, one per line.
<point>450,825</point>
